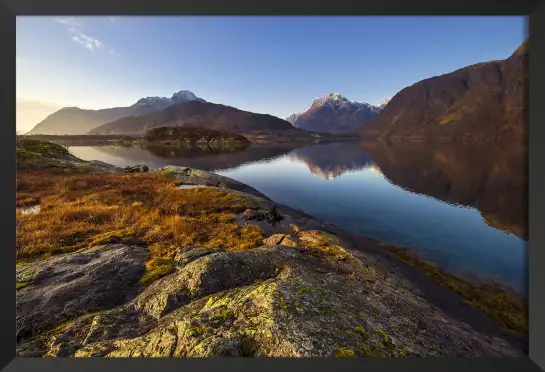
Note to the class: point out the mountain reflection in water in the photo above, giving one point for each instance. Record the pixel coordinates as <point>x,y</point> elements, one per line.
<point>462,206</point>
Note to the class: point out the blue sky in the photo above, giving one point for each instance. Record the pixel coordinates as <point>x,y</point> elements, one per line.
<point>275,65</point>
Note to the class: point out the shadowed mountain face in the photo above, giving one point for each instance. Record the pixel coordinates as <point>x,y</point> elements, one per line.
<point>198,115</point>
<point>483,103</point>
<point>492,179</point>
<point>73,120</point>
<point>334,113</point>
<point>331,160</point>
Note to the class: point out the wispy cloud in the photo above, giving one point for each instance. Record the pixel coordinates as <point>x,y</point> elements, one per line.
<point>87,41</point>
<point>77,33</point>
<point>113,18</point>
<point>69,21</point>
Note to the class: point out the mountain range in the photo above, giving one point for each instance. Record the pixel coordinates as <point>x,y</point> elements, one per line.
<point>74,120</point>
<point>195,113</point>
<point>484,102</point>
<point>334,113</point>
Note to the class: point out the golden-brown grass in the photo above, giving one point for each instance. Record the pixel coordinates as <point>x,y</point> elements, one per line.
<point>82,210</point>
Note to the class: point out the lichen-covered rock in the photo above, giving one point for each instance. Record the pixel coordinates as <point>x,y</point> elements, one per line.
<point>37,154</point>
<point>324,243</point>
<point>139,168</point>
<point>280,239</point>
<point>191,253</point>
<point>62,287</point>
<point>69,337</point>
<point>250,214</point>
<point>208,274</point>
<point>297,311</point>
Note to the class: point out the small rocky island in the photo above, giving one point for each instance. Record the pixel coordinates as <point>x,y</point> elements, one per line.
<point>189,136</point>
<point>179,262</point>
<point>175,137</point>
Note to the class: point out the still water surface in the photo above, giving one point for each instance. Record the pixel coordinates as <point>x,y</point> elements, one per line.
<point>432,200</point>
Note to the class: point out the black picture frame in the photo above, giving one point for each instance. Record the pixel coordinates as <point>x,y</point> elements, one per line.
<point>535,10</point>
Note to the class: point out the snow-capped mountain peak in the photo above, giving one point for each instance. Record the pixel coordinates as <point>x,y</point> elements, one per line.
<point>152,101</point>
<point>383,103</point>
<point>336,99</point>
<point>183,96</point>
<point>331,98</point>
<point>334,113</point>
<point>179,97</point>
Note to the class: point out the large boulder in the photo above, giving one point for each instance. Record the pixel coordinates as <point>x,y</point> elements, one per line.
<point>280,239</point>
<point>193,176</point>
<point>139,168</point>
<point>63,287</point>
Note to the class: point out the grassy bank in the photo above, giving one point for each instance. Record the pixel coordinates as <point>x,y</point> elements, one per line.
<point>503,305</point>
<point>82,210</point>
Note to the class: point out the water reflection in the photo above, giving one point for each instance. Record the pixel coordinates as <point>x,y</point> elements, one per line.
<point>455,204</point>
<point>492,179</point>
<point>331,160</point>
<point>159,156</point>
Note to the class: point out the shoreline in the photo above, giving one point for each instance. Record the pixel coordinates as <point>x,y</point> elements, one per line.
<point>256,139</point>
<point>357,248</point>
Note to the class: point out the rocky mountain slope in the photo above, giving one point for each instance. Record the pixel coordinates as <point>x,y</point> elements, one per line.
<point>73,120</point>
<point>197,115</point>
<point>485,102</point>
<point>334,113</point>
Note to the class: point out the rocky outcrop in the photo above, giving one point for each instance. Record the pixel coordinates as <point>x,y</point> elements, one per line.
<point>270,301</point>
<point>55,290</point>
<point>36,154</point>
<point>191,176</point>
<point>139,168</point>
<point>280,239</point>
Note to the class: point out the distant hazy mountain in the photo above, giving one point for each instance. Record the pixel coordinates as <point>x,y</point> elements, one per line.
<point>73,120</point>
<point>292,118</point>
<point>334,113</point>
<point>197,114</point>
<point>484,102</point>
<point>29,112</point>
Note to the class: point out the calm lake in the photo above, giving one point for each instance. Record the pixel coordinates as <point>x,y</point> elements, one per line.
<point>457,205</point>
